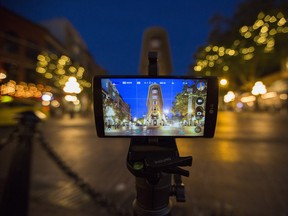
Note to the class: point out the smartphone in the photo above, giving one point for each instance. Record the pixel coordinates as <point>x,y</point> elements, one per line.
<point>155,106</point>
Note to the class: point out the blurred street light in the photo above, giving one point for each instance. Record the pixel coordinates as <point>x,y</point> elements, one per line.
<point>223,82</point>
<point>223,85</point>
<point>259,88</point>
<point>110,112</point>
<point>2,74</point>
<point>70,98</point>
<point>72,86</point>
<point>230,96</point>
<point>47,96</point>
<point>166,111</point>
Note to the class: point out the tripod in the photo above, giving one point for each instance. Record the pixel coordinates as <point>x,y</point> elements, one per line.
<point>155,164</point>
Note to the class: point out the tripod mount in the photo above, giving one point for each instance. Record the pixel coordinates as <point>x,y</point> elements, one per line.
<point>155,164</point>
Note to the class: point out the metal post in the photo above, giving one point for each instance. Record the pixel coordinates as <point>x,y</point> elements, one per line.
<point>15,201</point>
<point>153,64</point>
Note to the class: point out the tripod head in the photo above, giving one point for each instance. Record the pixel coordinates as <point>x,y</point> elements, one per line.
<point>150,158</point>
<point>153,161</point>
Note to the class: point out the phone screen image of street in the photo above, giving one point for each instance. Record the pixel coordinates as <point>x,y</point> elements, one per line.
<point>153,106</point>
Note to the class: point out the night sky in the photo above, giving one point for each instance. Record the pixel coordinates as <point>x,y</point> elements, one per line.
<point>113,29</point>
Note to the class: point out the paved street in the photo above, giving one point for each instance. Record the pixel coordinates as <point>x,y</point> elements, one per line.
<point>242,171</point>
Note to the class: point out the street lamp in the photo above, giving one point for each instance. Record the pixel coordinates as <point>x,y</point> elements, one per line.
<point>46,98</point>
<point>2,74</point>
<point>230,96</point>
<point>258,89</point>
<point>223,82</point>
<point>109,116</point>
<point>72,86</point>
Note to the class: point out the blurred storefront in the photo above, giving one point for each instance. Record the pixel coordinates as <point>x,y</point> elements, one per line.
<point>38,58</point>
<point>274,98</point>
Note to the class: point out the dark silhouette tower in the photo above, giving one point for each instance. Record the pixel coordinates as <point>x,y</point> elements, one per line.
<point>156,39</point>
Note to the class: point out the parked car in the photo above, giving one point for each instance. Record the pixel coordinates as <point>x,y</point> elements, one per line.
<point>10,108</point>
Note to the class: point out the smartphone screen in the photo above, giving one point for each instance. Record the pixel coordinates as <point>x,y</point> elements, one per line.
<point>153,106</point>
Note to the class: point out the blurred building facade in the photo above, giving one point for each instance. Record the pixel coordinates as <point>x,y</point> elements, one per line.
<point>117,112</point>
<point>156,39</point>
<point>22,44</point>
<point>68,36</point>
<point>21,41</point>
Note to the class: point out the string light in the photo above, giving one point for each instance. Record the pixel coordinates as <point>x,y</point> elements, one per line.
<point>59,69</point>
<point>262,32</point>
<point>23,89</point>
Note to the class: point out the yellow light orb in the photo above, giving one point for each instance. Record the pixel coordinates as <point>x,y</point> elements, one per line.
<point>223,82</point>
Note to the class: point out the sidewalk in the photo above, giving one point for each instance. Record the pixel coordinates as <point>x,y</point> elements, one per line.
<point>52,193</point>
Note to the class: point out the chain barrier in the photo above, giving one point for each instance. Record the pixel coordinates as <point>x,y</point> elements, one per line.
<point>97,197</point>
<point>9,139</point>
